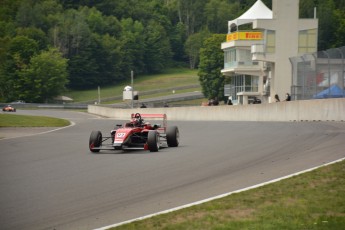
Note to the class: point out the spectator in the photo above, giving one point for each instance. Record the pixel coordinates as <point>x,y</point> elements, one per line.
<point>215,101</point>
<point>143,105</point>
<point>256,100</point>
<point>287,97</point>
<point>276,97</point>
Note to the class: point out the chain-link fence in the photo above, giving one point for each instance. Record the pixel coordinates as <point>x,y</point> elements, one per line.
<point>319,75</point>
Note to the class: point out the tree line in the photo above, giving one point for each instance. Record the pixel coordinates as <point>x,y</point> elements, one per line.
<point>47,46</point>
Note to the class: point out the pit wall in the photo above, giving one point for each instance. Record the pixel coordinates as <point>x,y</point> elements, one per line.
<point>308,110</point>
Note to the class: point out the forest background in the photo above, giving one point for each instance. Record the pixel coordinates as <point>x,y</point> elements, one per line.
<point>48,46</point>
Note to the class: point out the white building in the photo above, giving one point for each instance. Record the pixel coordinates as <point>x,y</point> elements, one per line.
<point>257,60</point>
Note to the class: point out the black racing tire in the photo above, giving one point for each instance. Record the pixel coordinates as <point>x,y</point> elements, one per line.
<point>173,136</point>
<point>153,141</point>
<point>95,141</point>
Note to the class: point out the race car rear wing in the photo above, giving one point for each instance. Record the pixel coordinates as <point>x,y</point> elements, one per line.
<point>152,116</point>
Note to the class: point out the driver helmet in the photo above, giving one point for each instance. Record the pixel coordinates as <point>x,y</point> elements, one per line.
<point>136,121</point>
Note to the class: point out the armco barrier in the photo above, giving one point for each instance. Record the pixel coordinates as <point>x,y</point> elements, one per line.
<point>309,110</point>
<point>45,106</point>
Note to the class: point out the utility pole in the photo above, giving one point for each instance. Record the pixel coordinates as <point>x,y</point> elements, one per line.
<point>99,95</point>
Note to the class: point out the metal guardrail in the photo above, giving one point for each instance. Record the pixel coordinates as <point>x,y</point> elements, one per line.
<point>45,106</point>
<point>159,101</point>
<point>142,93</point>
<point>151,102</point>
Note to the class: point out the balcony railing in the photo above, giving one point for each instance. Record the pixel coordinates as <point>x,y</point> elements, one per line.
<point>240,64</point>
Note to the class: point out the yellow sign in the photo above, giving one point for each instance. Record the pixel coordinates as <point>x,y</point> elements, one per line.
<point>244,36</point>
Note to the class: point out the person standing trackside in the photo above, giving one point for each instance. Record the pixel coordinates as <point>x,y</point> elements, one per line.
<point>276,97</point>
<point>287,97</point>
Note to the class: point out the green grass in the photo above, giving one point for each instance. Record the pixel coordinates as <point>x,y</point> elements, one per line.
<point>12,120</point>
<point>171,78</point>
<point>314,200</point>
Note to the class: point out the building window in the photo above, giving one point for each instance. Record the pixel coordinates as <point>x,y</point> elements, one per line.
<point>307,41</point>
<point>270,41</point>
<point>230,55</point>
<point>229,58</point>
<point>244,83</point>
<point>244,55</point>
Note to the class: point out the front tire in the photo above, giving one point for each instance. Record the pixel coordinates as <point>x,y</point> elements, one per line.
<point>173,136</point>
<point>153,141</point>
<point>95,141</point>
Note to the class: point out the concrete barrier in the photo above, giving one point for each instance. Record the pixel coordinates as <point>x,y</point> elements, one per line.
<point>308,110</point>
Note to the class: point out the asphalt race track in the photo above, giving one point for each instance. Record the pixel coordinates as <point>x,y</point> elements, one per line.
<point>52,181</point>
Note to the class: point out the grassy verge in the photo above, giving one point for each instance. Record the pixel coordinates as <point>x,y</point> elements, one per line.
<point>314,200</point>
<point>12,120</point>
<point>171,78</point>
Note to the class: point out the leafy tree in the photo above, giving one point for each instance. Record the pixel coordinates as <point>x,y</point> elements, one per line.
<point>17,54</point>
<point>44,78</point>
<point>101,24</point>
<point>24,15</point>
<point>46,14</point>
<point>177,40</point>
<point>193,45</point>
<point>327,27</point>
<point>21,49</point>
<point>8,9</point>
<point>71,34</point>
<point>157,48</point>
<point>340,30</point>
<point>4,67</point>
<point>211,63</point>
<point>111,59</point>
<point>218,13</point>
<point>36,34</point>
<point>7,29</point>
<point>83,68</point>
<point>97,68</point>
<point>307,8</point>
<point>132,46</point>
<point>190,15</point>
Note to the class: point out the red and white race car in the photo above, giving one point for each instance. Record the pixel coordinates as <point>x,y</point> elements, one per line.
<point>8,108</point>
<point>137,135</point>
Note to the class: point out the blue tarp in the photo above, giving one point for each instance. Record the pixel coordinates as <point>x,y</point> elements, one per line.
<point>332,92</point>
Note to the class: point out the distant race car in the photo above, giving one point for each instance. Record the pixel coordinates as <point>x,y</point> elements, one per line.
<point>137,135</point>
<point>8,108</point>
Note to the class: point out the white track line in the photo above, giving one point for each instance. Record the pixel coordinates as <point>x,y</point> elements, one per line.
<point>33,134</point>
<point>215,197</point>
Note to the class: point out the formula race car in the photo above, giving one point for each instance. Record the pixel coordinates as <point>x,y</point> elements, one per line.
<point>8,108</point>
<point>137,135</point>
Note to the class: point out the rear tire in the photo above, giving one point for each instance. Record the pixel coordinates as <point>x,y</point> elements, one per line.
<point>153,141</point>
<point>173,136</point>
<point>95,141</point>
